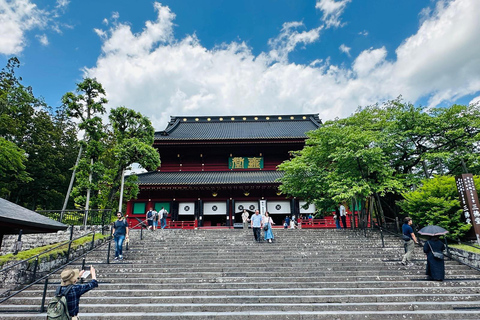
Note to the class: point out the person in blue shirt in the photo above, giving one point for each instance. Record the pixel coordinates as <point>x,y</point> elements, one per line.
<point>120,233</point>
<point>256,224</point>
<point>410,240</point>
<point>69,278</point>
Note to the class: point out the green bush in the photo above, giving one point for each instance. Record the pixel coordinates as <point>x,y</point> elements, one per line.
<point>437,202</point>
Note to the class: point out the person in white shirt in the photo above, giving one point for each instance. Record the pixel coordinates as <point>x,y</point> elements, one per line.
<point>162,215</point>
<point>343,215</point>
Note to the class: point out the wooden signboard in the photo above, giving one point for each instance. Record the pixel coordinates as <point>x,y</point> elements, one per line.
<point>469,201</point>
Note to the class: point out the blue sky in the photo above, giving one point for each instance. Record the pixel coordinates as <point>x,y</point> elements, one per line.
<point>222,57</point>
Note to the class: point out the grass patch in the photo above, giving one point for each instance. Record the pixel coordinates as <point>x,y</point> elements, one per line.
<point>465,247</point>
<point>62,250</point>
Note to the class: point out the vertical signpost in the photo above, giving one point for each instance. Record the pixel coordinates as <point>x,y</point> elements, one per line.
<point>469,201</point>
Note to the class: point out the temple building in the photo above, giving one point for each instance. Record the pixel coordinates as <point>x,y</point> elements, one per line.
<point>215,167</point>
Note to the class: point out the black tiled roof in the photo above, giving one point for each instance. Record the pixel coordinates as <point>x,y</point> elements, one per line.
<point>14,217</point>
<point>208,178</point>
<point>239,127</point>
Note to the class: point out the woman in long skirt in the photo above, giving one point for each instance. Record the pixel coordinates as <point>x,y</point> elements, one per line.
<point>435,267</point>
<point>268,222</point>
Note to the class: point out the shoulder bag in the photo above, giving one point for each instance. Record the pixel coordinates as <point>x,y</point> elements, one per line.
<point>436,255</point>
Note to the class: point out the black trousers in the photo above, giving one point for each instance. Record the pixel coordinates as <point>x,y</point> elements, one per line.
<point>256,233</point>
<point>344,222</point>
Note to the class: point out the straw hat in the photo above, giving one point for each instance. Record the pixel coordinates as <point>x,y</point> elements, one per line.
<point>69,276</point>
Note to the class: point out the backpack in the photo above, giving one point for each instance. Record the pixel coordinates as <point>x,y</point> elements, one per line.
<point>149,214</point>
<point>57,307</point>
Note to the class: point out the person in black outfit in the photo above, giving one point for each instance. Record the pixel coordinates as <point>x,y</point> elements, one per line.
<point>435,267</point>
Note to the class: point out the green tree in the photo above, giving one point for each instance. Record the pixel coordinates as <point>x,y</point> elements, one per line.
<point>436,202</point>
<point>12,167</point>
<point>131,142</point>
<point>87,105</point>
<point>47,139</point>
<point>382,151</point>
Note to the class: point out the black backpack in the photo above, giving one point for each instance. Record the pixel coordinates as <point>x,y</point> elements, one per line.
<point>57,307</point>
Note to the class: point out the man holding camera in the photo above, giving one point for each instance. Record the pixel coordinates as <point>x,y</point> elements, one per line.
<point>73,290</point>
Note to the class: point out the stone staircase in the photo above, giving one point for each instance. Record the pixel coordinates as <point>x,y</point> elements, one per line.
<point>304,274</point>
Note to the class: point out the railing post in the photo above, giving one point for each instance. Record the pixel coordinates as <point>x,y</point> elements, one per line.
<point>109,246</point>
<point>93,241</point>
<point>70,243</point>
<point>35,269</point>
<point>42,307</point>
<point>446,246</point>
<point>141,231</point>
<point>381,234</point>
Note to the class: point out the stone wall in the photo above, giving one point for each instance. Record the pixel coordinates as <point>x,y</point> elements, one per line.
<point>470,258</point>
<point>31,241</point>
<point>25,272</point>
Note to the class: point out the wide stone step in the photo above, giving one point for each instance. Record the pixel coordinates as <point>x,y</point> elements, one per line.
<point>346,289</point>
<point>271,315</point>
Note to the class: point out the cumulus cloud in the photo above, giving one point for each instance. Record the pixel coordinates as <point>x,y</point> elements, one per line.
<point>16,18</point>
<point>332,10</point>
<point>20,16</point>
<point>160,75</point>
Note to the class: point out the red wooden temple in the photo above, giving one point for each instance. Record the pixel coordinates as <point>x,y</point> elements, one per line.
<point>214,167</point>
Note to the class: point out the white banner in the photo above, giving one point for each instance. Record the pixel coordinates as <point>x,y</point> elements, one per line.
<point>214,208</point>
<point>249,205</point>
<point>310,209</point>
<point>278,207</point>
<point>186,208</point>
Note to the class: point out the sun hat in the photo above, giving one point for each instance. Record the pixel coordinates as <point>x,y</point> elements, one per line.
<point>69,276</point>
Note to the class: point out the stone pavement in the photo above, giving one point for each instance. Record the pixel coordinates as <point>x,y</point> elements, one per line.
<point>304,274</point>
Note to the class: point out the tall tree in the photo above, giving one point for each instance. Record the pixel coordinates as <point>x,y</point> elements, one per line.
<point>87,105</point>
<point>47,141</point>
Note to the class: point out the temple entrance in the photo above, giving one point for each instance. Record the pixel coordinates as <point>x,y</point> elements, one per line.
<point>186,211</point>
<point>279,210</point>
<point>214,213</point>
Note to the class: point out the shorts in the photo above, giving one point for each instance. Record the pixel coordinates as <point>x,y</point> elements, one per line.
<point>150,222</point>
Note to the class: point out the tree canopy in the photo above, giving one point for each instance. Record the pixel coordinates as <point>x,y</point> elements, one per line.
<point>383,150</point>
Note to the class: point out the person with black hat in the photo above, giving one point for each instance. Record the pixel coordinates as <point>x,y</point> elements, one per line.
<point>69,278</point>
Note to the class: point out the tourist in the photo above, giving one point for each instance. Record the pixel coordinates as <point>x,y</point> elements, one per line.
<point>256,224</point>
<point>287,222</point>
<point>245,219</point>
<point>435,267</point>
<point>343,215</point>
<point>293,223</point>
<point>162,214</point>
<point>336,217</point>
<point>69,279</point>
<point>120,232</point>
<point>150,215</point>
<point>155,220</point>
<point>409,241</point>
<point>267,227</point>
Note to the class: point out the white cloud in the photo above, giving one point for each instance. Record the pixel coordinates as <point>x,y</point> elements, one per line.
<point>43,39</point>
<point>332,10</point>
<point>161,76</point>
<point>21,16</point>
<point>288,40</point>
<point>16,18</point>
<point>343,48</point>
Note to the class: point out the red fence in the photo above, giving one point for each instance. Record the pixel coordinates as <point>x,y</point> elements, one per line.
<point>327,222</point>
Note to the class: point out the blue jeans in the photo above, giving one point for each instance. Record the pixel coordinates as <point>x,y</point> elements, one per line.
<point>119,244</point>
<point>337,223</point>
<point>163,223</point>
